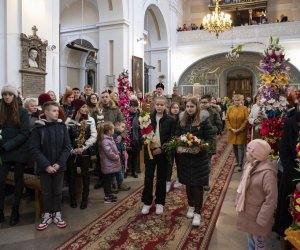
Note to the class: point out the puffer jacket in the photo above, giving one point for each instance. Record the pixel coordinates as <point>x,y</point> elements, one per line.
<point>109,156</point>
<point>193,169</point>
<point>90,134</point>
<point>15,139</point>
<point>260,201</point>
<point>49,144</point>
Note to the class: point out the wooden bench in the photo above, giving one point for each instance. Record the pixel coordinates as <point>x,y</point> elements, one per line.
<point>33,182</point>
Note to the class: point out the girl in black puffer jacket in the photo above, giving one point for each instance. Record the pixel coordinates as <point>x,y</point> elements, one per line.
<point>14,130</point>
<point>193,169</point>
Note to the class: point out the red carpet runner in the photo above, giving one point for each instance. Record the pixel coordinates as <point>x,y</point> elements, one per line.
<point>123,227</point>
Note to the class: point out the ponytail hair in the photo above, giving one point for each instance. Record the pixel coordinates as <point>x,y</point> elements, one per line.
<point>102,130</point>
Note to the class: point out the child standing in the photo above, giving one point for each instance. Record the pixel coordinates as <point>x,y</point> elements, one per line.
<point>174,112</point>
<point>257,194</point>
<point>136,139</point>
<point>110,158</point>
<point>121,146</point>
<point>164,128</point>
<point>50,147</point>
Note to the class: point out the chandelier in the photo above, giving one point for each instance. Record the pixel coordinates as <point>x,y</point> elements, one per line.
<point>218,21</point>
<point>232,56</point>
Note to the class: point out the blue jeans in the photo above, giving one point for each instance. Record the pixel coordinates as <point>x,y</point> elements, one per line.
<point>256,242</point>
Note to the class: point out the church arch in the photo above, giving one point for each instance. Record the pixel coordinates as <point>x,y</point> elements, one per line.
<point>216,70</point>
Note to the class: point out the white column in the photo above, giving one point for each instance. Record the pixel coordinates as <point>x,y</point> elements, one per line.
<point>119,34</point>
<point>3,77</point>
<point>13,29</point>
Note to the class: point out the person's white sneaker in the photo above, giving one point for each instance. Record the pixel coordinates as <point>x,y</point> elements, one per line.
<point>196,220</point>
<point>190,212</point>
<point>177,184</point>
<point>159,209</point>
<point>168,186</point>
<point>146,209</point>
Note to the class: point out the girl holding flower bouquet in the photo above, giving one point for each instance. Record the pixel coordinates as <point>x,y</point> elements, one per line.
<point>83,135</point>
<point>163,127</point>
<point>193,168</point>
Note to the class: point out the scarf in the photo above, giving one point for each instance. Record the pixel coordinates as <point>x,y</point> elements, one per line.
<point>242,188</point>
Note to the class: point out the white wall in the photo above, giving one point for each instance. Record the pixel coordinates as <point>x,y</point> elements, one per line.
<point>19,17</point>
<point>3,77</point>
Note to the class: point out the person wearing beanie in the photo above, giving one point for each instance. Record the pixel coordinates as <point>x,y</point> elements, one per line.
<point>43,98</point>
<point>83,135</point>
<point>257,194</point>
<point>9,88</point>
<point>67,100</point>
<point>14,123</point>
<point>159,89</point>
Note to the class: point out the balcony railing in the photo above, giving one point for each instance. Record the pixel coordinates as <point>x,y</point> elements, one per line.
<point>261,32</point>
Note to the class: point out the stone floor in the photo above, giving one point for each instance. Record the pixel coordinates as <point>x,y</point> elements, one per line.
<point>225,235</point>
<point>24,236</point>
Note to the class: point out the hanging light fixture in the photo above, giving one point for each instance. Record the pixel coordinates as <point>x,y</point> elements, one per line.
<point>218,21</point>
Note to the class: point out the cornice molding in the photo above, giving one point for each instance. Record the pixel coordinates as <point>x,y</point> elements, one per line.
<point>113,24</point>
<point>77,29</point>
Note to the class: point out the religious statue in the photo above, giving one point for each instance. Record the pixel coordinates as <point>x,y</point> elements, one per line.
<point>32,58</point>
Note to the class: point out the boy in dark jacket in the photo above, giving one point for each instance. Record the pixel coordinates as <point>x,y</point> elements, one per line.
<point>164,128</point>
<point>50,147</point>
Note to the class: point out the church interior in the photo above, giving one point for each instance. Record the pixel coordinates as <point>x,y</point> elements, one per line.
<point>79,42</point>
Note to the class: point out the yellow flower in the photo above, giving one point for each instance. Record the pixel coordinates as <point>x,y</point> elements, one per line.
<point>297,208</point>
<point>298,200</point>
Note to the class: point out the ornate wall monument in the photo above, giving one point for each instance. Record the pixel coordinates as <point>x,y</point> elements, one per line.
<point>33,64</point>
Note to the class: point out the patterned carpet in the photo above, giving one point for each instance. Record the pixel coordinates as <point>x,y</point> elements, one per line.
<point>123,227</point>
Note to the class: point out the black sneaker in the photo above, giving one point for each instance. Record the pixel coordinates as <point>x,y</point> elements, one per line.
<point>113,197</point>
<point>110,199</point>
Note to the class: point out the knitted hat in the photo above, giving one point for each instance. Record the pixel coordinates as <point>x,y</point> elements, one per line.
<point>44,98</point>
<point>9,88</point>
<point>259,149</point>
<point>77,104</point>
<point>160,85</point>
<point>133,103</point>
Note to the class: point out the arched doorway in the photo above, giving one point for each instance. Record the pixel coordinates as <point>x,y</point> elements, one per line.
<point>80,64</point>
<point>156,48</point>
<point>212,75</point>
<point>240,81</point>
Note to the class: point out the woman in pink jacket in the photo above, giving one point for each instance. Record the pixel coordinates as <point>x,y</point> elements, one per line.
<point>109,157</point>
<point>257,195</point>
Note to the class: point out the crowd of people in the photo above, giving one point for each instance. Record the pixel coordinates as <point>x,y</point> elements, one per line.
<point>51,137</point>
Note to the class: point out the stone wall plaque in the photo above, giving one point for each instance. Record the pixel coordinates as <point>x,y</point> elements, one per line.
<point>33,64</point>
